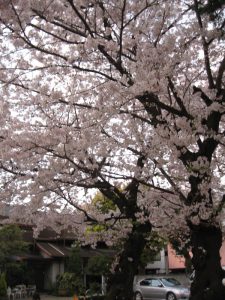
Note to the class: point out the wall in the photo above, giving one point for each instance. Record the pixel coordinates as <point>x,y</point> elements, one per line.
<point>160,265</point>
<point>55,268</point>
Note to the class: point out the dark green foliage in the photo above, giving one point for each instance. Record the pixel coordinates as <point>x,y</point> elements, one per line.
<point>154,245</point>
<point>69,284</point>
<point>104,204</point>
<point>99,264</point>
<point>3,286</point>
<point>94,289</point>
<point>11,243</point>
<point>72,280</point>
<point>95,297</point>
<point>96,265</point>
<point>74,263</point>
<point>17,272</point>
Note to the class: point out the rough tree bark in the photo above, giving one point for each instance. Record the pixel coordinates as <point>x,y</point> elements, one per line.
<point>121,281</point>
<point>206,242</point>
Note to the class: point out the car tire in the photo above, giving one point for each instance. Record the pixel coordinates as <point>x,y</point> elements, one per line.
<point>171,296</point>
<point>138,296</point>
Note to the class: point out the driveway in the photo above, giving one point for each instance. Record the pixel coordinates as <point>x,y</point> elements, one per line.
<point>49,297</point>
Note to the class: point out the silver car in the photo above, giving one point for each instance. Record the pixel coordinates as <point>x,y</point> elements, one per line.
<point>160,289</point>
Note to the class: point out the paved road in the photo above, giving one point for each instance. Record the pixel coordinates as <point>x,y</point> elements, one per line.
<point>49,297</point>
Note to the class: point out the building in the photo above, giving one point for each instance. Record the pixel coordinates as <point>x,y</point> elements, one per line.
<point>170,263</point>
<point>165,262</point>
<point>49,253</point>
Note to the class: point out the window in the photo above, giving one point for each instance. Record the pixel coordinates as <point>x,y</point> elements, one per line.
<point>146,282</point>
<point>156,283</point>
<point>170,282</point>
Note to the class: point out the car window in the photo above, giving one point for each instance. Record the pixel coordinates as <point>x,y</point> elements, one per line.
<point>145,282</point>
<point>156,283</point>
<point>170,282</point>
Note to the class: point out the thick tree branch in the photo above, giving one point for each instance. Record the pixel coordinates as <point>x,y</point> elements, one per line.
<point>204,97</point>
<point>121,31</point>
<point>205,47</point>
<point>177,98</point>
<point>153,105</point>
<point>220,75</point>
<point>81,17</point>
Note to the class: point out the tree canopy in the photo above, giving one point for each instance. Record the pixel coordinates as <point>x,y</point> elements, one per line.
<point>99,93</point>
<point>11,243</point>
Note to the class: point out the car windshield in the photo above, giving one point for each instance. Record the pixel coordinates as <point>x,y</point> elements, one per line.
<point>170,282</point>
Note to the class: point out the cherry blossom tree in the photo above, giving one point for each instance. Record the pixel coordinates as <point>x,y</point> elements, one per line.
<point>99,93</point>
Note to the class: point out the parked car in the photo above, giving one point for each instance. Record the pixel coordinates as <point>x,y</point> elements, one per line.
<point>161,288</point>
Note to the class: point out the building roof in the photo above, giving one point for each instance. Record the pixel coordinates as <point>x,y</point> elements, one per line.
<point>53,250</point>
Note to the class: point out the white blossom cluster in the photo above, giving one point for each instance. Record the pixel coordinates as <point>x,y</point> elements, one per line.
<point>98,94</point>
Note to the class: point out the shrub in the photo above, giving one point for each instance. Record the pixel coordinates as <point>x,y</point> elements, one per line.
<point>95,297</point>
<point>3,287</point>
<point>95,288</point>
<point>69,284</point>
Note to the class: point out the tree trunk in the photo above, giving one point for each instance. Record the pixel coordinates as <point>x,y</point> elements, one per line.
<point>120,283</point>
<point>206,243</point>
